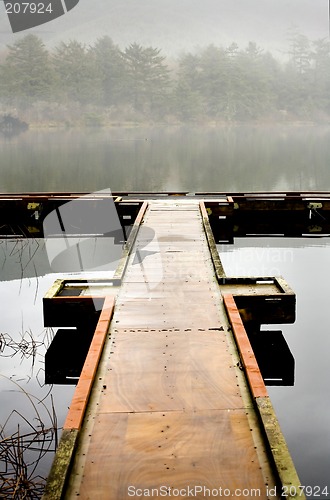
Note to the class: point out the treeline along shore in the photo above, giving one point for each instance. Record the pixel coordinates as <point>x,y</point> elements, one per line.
<point>101,84</point>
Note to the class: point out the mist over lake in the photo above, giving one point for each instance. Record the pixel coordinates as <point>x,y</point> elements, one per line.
<point>183,158</point>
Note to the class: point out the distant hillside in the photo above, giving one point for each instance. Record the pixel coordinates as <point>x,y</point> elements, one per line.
<point>179,25</point>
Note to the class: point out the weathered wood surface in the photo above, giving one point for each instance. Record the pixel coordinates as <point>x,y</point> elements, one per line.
<point>170,406</point>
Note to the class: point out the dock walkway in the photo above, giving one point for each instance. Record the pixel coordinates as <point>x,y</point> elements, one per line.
<point>171,412</point>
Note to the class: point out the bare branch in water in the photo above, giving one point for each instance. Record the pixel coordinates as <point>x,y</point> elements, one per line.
<point>22,452</point>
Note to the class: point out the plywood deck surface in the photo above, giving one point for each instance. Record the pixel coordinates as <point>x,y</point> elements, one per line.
<point>170,408</point>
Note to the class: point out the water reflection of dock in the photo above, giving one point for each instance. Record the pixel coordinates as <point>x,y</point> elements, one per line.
<point>171,396</point>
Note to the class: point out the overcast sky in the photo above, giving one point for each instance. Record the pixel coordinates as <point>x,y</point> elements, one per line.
<point>179,25</point>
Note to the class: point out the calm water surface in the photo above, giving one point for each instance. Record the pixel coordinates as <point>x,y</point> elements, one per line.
<point>303,410</point>
<point>241,158</point>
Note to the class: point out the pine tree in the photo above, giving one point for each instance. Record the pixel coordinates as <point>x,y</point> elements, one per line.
<point>77,76</point>
<point>321,74</point>
<point>299,77</point>
<point>147,84</point>
<point>111,71</point>
<point>26,75</point>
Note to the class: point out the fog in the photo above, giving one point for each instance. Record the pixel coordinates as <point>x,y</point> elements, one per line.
<point>182,25</point>
<point>152,95</point>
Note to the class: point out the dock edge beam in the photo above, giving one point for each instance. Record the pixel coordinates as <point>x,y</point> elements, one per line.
<point>218,267</point>
<point>62,463</point>
<point>120,271</point>
<point>284,467</point>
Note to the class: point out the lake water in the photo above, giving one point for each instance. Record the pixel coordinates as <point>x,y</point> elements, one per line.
<point>188,158</point>
<point>303,410</point>
<point>238,158</point>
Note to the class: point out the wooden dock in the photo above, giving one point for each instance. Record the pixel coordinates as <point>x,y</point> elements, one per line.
<point>174,403</point>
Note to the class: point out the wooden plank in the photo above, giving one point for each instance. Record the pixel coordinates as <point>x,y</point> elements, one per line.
<point>176,449</point>
<point>218,267</point>
<point>255,288</point>
<point>169,405</point>
<point>160,291</point>
<point>130,242</point>
<point>172,308</point>
<point>163,272</point>
<point>177,370</point>
<point>270,203</point>
<point>165,321</point>
<point>80,398</point>
<point>249,361</point>
<point>55,289</point>
<point>286,470</point>
<point>60,470</point>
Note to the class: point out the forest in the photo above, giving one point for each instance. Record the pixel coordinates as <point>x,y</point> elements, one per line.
<point>74,84</point>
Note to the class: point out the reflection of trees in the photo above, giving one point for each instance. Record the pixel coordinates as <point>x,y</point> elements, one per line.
<point>11,126</point>
<point>222,158</point>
